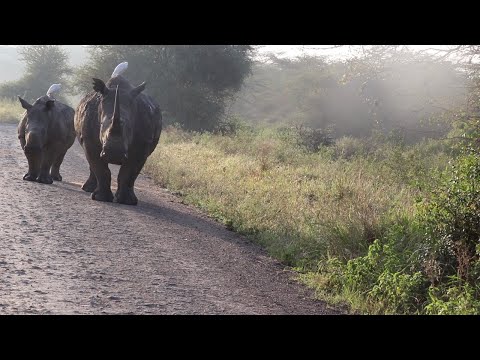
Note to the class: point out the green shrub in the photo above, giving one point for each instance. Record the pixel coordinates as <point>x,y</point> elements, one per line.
<point>452,218</point>
<point>457,299</point>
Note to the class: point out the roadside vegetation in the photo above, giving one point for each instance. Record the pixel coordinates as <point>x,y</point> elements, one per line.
<point>374,223</point>
<point>10,111</point>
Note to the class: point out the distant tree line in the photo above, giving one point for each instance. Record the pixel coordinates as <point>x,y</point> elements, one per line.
<point>409,93</point>
<point>44,65</point>
<point>387,88</point>
<point>192,83</point>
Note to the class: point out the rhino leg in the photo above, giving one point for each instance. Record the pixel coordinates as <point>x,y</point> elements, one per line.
<point>100,172</point>
<point>104,178</point>
<point>91,183</point>
<point>126,180</point>
<point>34,161</point>
<point>44,176</point>
<point>55,170</point>
<point>30,177</point>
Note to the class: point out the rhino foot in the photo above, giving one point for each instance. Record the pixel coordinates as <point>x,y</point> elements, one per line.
<point>106,196</point>
<point>126,197</point>
<point>29,177</point>
<point>89,186</point>
<point>57,177</point>
<point>45,179</point>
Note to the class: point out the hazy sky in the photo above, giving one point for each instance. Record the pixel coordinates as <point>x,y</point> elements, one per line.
<point>327,50</point>
<point>294,50</point>
<point>342,52</point>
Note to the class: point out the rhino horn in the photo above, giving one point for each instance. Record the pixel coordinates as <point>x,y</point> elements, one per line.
<point>116,128</point>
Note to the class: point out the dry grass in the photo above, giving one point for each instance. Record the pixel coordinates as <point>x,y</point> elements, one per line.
<point>300,206</point>
<point>10,111</point>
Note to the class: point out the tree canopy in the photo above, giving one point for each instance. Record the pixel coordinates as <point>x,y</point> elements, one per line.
<point>191,82</point>
<point>44,66</point>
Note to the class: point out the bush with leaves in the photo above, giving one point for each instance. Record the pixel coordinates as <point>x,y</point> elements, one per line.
<point>452,217</point>
<point>313,139</point>
<point>430,263</point>
<point>230,126</point>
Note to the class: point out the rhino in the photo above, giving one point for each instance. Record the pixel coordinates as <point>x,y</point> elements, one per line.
<point>116,123</point>
<point>46,132</point>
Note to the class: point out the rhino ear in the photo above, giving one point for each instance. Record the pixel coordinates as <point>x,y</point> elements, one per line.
<point>134,92</point>
<point>25,104</point>
<point>99,86</point>
<point>50,104</point>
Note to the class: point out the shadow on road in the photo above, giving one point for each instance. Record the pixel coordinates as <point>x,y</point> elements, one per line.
<point>157,212</point>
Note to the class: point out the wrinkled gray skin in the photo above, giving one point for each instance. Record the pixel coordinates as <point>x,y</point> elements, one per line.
<point>46,132</point>
<point>116,125</point>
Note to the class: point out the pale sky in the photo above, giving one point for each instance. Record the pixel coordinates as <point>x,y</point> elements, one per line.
<point>328,50</point>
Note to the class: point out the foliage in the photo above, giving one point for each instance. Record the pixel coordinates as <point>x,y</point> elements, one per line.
<point>44,65</point>
<point>452,217</point>
<point>191,82</point>
<point>454,299</point>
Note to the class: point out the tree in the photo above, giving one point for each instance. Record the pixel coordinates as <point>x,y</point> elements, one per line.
<point>44,66</point>
<point>191,82</point>
<point>389,89</point>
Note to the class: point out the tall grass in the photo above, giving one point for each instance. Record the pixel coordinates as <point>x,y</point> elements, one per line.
<point>373,223</point>
<point>10,111</point>
<point>301,206</point>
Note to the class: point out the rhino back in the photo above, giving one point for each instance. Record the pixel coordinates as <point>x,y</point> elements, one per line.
<point>87,126</point>
<point>149,122</point>
<point>64,120</point>
<point>61,128</point>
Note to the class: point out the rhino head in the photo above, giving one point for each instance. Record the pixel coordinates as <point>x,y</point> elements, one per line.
<point>117,112</point>
<point>38,118</point>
